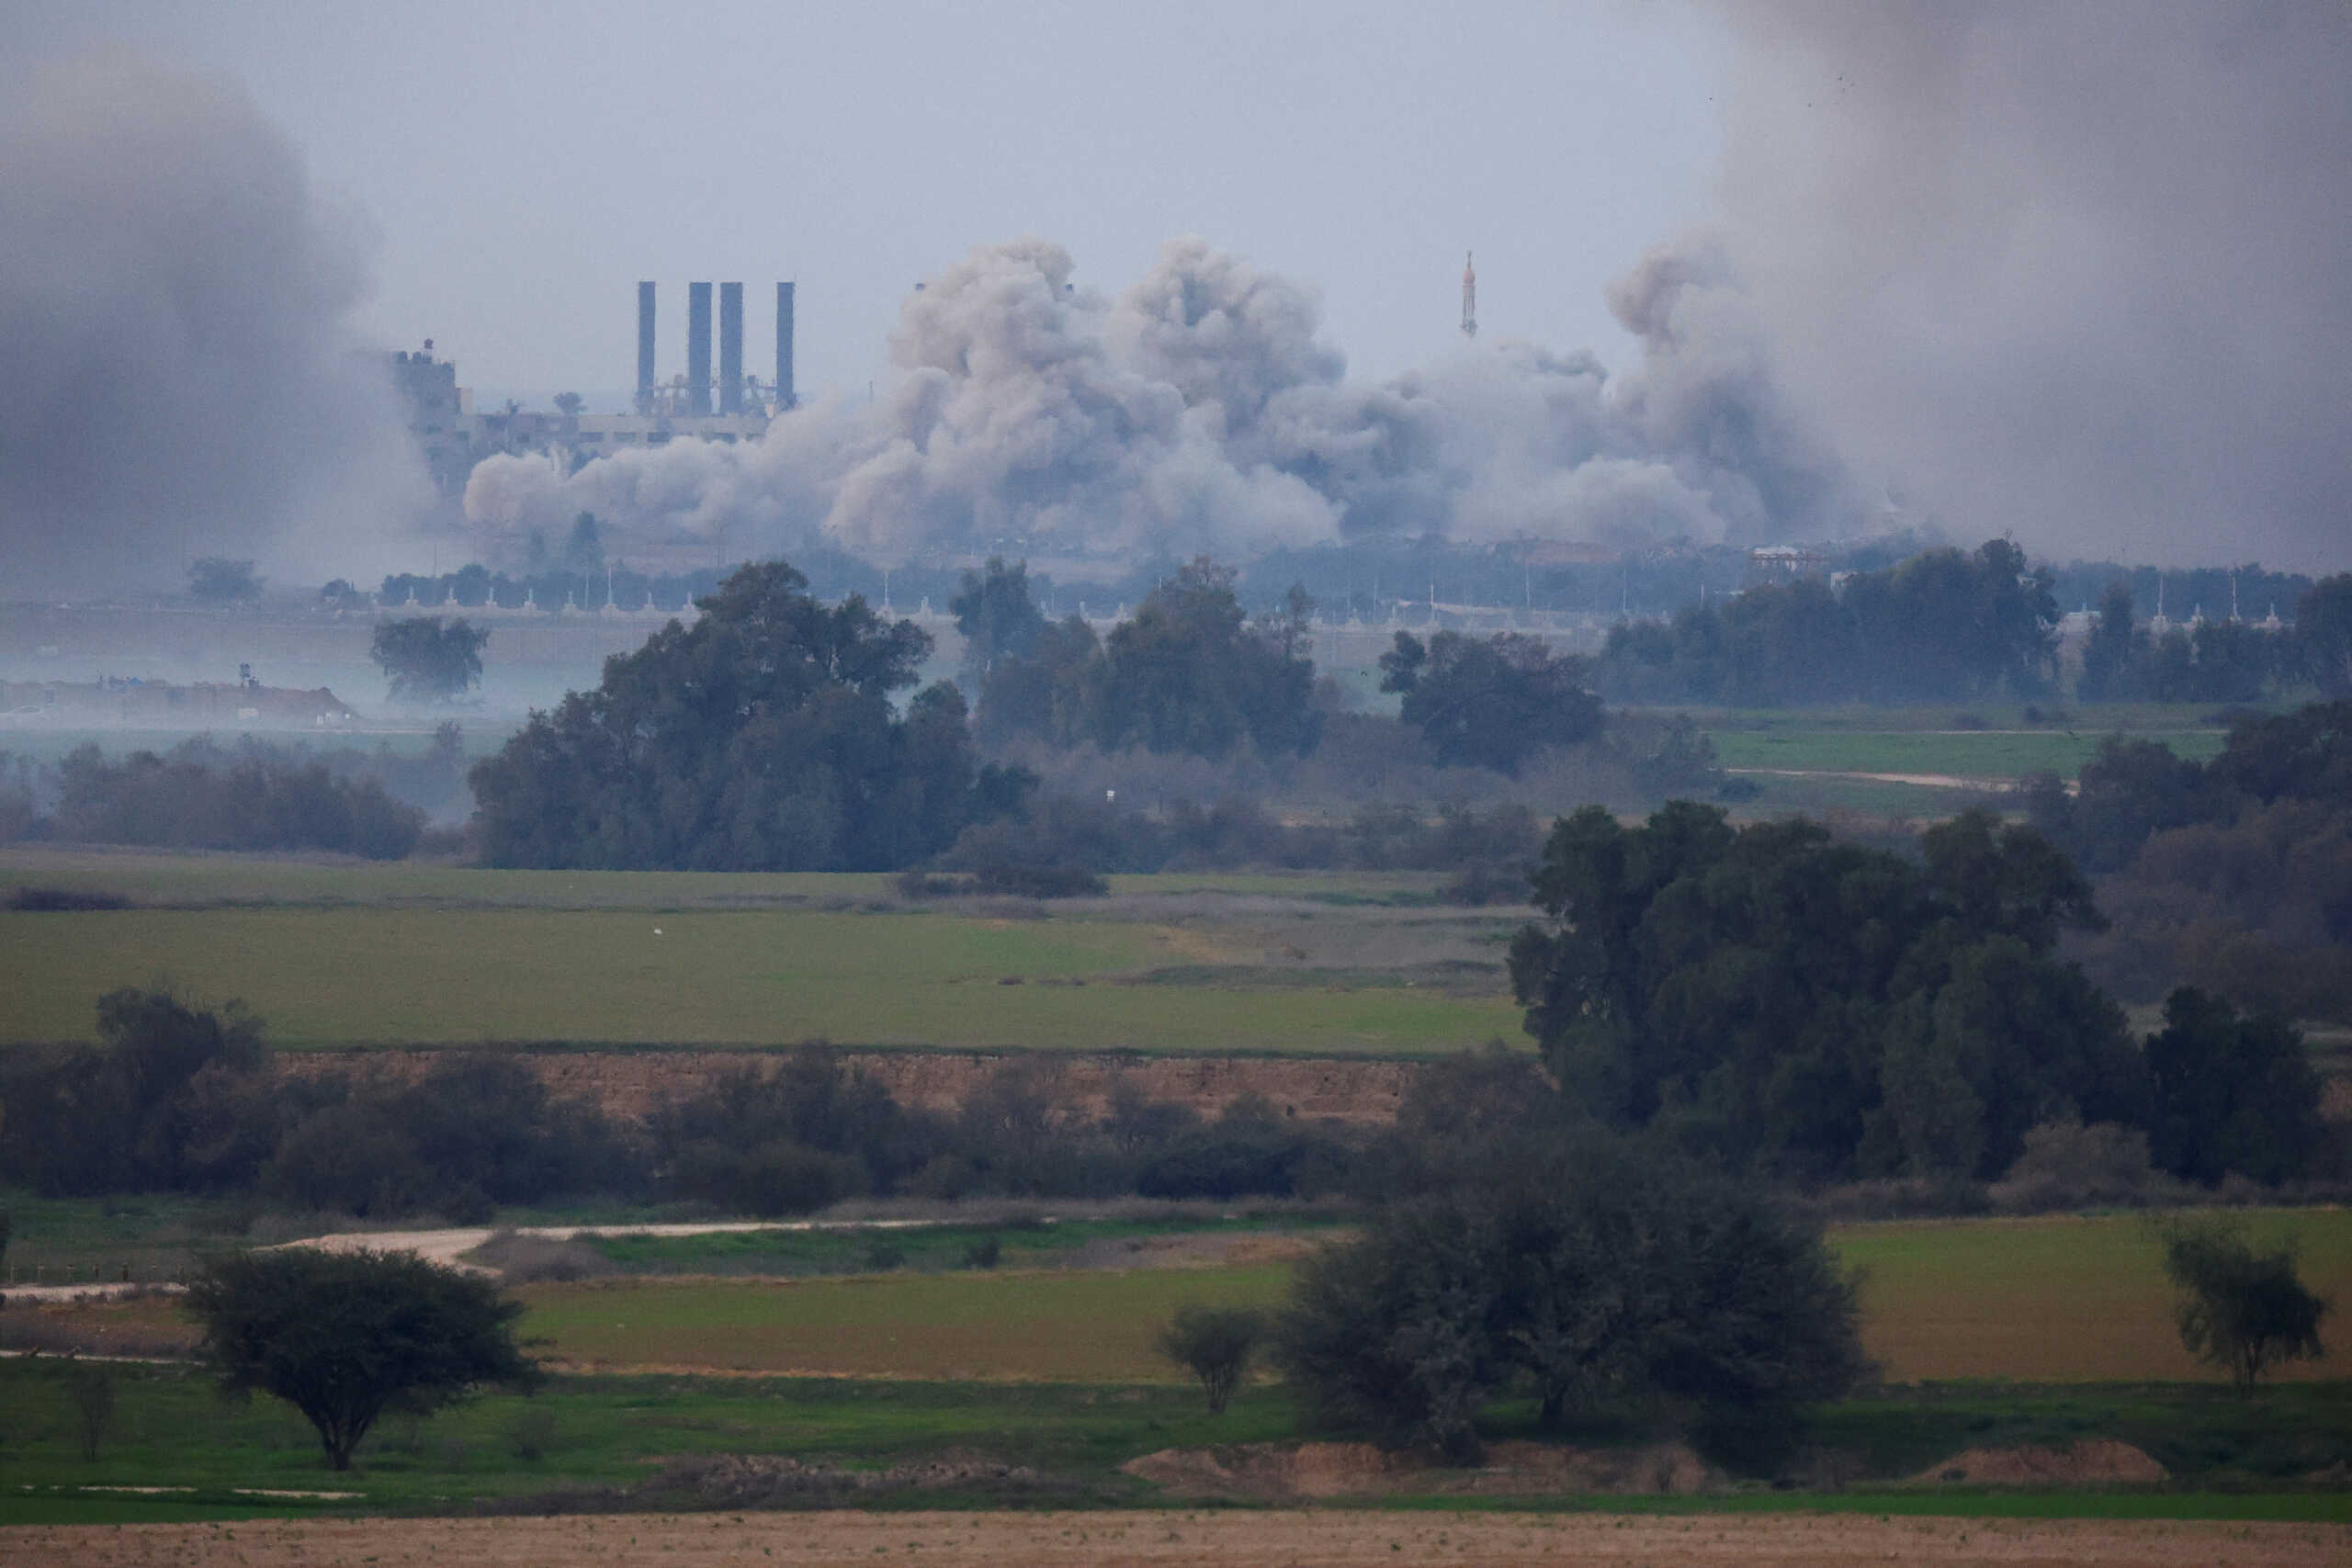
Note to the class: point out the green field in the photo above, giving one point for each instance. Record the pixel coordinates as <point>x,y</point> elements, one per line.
<point>346,977</point>
<point>1994,755</point>
<point>2050,1300</point>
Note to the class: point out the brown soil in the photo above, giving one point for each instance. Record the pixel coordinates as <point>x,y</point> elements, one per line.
<point>1168,1540</point>
<point>1279,1473</point>
<point>2085,1464</point>
<point>631,1083</point>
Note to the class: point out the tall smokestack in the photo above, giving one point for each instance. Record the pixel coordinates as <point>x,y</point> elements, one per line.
<point>698,348</point>
<point>644,347</point>
<point>731,348</point>
<point>784,398</point>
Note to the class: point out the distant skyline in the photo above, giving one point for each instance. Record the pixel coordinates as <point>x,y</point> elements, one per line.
<point>522,168</point>
<point>1750,272</point>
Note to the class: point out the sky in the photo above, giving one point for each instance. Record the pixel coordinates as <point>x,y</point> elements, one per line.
<point>1749,271</point>
<point>523,166</point>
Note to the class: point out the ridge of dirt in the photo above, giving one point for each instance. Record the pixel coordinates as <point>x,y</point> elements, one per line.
<point>2089,1462</point>
<point>1276,1473</point>
<point>631,1083</point>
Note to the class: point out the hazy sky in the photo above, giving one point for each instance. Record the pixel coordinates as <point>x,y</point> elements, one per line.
<point>2079,271</point>
<point>525,165</point>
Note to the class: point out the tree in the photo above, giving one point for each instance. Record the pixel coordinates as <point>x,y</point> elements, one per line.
<point>1214,1343</point>
<point>2239,1310</point>
<point>1816,1007</point>
<point>216,580</point>
<point>427,661</point>
<point>2232,1093</point>
<point>90,1386</point>
<point>2111,656</point>
<point>761,738</point>
<point>569,404</point>
<point>2323,634</point>
<point>584,548</point>
<point>996,616</point>
<point>1589,1272</point>
<point>1490,703</point>
<point>344,1336</point>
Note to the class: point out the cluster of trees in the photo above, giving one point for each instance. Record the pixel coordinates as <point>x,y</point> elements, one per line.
<point>249,794</point>
<point>1188,674</point>
<point>2218,661</point>
<point>173,1097</point>
<point>201,794</point>
<point>1491,703</point>
<point>1942,625</point>
<point>1597,1276</point>
<point>763,738</point>
<point>2233,875</point>
<point>1793,1005</point>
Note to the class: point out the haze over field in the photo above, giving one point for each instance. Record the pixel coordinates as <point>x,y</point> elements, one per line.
<point>2075,273</point>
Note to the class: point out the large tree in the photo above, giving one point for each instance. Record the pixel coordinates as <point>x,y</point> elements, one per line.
<point>344,1336</point>
<point>1491,703</point>
<point>428,659</point>
<point>761,737</point>
<point>1589,1273</point>
<point>1817,1008</point>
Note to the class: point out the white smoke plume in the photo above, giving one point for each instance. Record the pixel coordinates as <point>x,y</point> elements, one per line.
<point>1202,411</point>
<point>171,309</point>
<point>2079,271</point>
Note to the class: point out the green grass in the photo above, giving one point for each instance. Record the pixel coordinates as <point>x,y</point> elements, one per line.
<point>2058,1300</point>
<point>1064,1325</point>
<point>365,977</point>
<point>1985,755</point>
<point>195,880</point>
<point>799,1253</point>
<point>2237,1460</point>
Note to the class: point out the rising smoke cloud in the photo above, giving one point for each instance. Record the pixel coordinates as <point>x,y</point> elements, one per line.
<point>2082,272</point>
<point>172,301</point>
<point>1202,411</point>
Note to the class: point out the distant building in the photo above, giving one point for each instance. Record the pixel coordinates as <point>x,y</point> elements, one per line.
<point>1774,564</point>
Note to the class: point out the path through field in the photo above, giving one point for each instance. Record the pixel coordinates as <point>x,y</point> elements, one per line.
<point>1167,1540</point>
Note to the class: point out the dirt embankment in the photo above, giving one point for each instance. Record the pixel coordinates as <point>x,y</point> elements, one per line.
<point>1288,1472</point>
<point>632,1083</point>
<point>1309,1539</point>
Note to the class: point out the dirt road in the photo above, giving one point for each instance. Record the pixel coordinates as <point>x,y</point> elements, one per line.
<point>1306,1540</point>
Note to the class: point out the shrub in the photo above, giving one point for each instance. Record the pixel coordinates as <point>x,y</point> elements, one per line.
<point>1214,1343</point>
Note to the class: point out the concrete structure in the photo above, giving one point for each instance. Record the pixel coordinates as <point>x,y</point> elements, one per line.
<point>786,399</point>
<point>1469,297</point>
<point>731,348</point>
<point>645,371</point>
<point>697,348</point>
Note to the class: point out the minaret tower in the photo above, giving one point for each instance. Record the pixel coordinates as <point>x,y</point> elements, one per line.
<point>1469,297</point>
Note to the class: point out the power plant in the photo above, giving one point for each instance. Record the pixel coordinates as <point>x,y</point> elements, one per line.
<point>689,396</point>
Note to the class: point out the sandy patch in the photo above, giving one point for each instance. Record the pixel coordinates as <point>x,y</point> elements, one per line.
<point>1170,1540</point>
<point>1276,1473</point>
<point>2086,1463</point>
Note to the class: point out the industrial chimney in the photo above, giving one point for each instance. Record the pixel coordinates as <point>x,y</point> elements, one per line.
<point>698,348</point>
<point>645,348</point>
<point>784,398</point>
<point>731,348</point>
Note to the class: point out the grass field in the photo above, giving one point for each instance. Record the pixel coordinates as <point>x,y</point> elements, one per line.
<point>359,976</point>
<point>1957,754</point>
<point>195,881</point>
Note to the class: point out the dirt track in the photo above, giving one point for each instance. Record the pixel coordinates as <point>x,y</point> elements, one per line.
<point>1317,1540</point>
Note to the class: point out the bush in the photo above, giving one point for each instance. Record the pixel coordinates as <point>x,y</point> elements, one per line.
<point>2068,1166</point>
<point>1214,1343</point>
